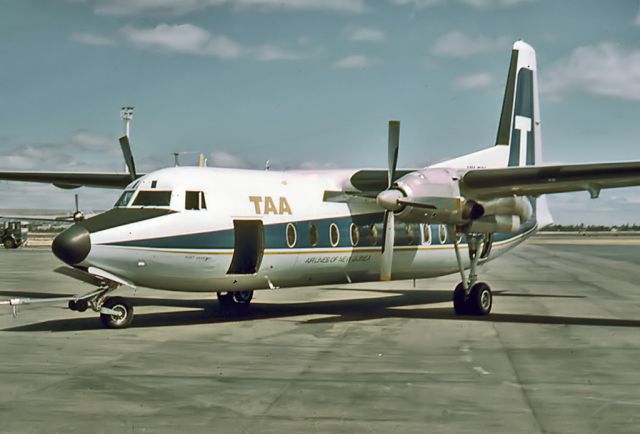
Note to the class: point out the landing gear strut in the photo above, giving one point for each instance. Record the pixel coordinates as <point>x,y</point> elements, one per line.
<point>470,296</point>
<point>115,312</point>
<point>237,300</point>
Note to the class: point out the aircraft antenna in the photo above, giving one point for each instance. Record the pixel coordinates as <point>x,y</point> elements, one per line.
<point>126,114</point>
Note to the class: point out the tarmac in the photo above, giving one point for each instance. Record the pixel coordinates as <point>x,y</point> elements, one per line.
<point>560,353</point>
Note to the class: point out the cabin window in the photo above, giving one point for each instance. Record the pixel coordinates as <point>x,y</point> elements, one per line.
<point>442,233</point>
<point>152,198</point>
<point>426,234</point>
<point>194,200</point>
<point>313,235</point>
<point>292,235</point>
<point>373,234</point>
<point>334,234</point>
<point>409,230</point>
<point>354,234</point>
<point>124,199</point>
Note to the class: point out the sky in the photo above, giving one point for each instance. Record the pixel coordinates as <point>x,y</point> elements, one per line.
<point>309,84</point>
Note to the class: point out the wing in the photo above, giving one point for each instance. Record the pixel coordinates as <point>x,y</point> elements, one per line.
<point>69,180</point>
<point>537,180</point>
<point>60,219</point>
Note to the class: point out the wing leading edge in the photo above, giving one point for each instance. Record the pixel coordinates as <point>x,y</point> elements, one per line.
<point>537,180</point>
<point>69,180</point>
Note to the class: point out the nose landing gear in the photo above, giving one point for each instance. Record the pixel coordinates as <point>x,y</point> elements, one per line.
<point>115,312</point>
<point>470,297</point>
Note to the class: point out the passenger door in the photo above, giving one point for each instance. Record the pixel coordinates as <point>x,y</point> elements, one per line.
<point>248,247</point>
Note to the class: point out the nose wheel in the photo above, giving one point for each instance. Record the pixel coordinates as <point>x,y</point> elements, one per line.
<point>470,297</point>
<point>116,313</point>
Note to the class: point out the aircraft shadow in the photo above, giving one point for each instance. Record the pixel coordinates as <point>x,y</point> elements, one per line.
<point>346,310</point>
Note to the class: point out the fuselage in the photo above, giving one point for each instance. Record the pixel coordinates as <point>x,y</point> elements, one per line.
<point>212,229</point>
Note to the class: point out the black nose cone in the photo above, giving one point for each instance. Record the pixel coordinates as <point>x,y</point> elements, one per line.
<point>73,245</point>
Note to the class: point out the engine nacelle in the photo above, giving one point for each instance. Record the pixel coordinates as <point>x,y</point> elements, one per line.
<point>495,223</point>
<point>437,187</point>
<point>509,206</point>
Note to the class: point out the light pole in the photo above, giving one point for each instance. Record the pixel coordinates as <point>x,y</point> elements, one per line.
<point>126,114</point>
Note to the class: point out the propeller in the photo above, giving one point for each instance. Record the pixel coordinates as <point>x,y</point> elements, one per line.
<point>78,215</point>
<point>387,198</point>
<point>128,156</point>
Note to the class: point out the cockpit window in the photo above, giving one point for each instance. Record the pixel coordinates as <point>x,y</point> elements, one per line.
<point>194,200</point>
<point>124,199</point>
<point>152,198</point>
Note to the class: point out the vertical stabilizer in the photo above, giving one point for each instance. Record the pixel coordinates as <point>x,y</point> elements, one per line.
<point>519,126</point>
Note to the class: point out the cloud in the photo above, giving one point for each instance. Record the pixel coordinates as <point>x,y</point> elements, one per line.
<point>91,39</point>
<point>182,38</point>
<point>227,159</point>
<point>84,150</point>
<point>485,4</point>
<point>474,81</point>
<point>364,34</point>
<point>356,61</point>
<point>193,40</point>
<point>477,4</point>
<point>190,39</point>
<point>417,4</point>
<point>87,140</point>
<point>604,69</point>
<point>182,7</point>
<point>458,44</point>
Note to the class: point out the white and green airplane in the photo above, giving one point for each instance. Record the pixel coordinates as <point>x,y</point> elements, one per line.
<point>233,231</point>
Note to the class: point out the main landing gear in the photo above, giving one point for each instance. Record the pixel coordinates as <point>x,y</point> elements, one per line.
<point>470,296</point>
<point>235,301</point>
<point>115,312</point>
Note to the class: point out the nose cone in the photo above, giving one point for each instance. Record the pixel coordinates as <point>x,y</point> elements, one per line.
<point>73,245</point>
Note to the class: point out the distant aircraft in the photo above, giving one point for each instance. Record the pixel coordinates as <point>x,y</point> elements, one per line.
<point>234,231</point>
<point>74,217</point>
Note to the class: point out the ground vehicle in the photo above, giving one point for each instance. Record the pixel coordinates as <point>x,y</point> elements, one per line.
<point>13,234</point>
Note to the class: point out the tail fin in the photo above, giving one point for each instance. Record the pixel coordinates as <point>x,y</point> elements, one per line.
<point>519,126</point>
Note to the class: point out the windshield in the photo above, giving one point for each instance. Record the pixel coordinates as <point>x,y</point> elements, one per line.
<point>124,199</point>
<point>152,198</point>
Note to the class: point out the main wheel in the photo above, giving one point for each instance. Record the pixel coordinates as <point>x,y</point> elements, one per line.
<point>124,315</point>
<point>460,302</point>
<point>225,300</point>
<point>243,297</point>
<point>480,299</point>
<point>235,301</point>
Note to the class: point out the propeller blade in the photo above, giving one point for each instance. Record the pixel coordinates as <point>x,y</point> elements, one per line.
<point>128,156</point>
<point>77,207</point>
<point>394,141</point>
<point>388,239</point>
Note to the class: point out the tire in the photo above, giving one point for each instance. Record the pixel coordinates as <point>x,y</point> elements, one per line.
<point>243,297</point>
<point>225,300</point>
<point>10,243</point>
<point>460,303</point>
<point>480,299</point>
<point>119,304</point>
<point>236,302</point>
